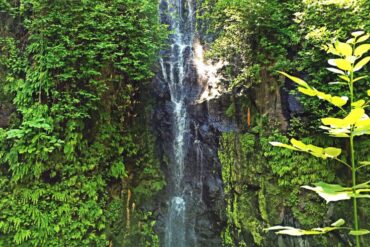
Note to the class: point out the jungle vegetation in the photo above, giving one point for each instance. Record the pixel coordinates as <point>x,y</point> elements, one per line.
<point>77,152</point>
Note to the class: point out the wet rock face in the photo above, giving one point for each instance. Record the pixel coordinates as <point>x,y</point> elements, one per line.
<point>6,110</point>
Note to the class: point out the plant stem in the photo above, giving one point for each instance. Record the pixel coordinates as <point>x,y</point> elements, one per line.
<point>352,146</point>
<point>355,213</point>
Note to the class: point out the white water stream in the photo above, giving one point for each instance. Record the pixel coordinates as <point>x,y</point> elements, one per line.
<point>175,67</point>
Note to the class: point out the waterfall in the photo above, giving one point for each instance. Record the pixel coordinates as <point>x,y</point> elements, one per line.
<point>190,212</point>
<point>175,68</point>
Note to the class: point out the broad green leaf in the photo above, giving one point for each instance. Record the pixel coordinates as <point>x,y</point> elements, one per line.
<point>339,101</point>
<point>332,152</point>
<point>279,144</point>
<point>358,103</point>
<point>354,116</point>
<point>351,41</point>
<point>291,231</point>
<point>298,144</point>
<point>361,63</point>
<point>351,59</point>
<point>298,232</point>
<point>344,48</point>
<point>363,38</point>
<point>362,49</point>
<point>362,127</point>
<point>335,122</point>
<point>359,232</point>
<point>307,91</point>
<point>357,33</point>
<point>323,96</point>
<point>341,64</point>
<point>330,192</point>
<point>295,79</point>
<point>275,228</point>
<point>344,77</point>
<point>338,223</point>
<point>337,71</point>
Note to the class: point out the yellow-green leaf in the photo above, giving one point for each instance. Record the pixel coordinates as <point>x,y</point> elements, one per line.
<point>332,152</point>
<point>298,144</point>
<point>331,192</point>
<point>279,144</point>
<point>357,33</point>
<point>334,122</point>
<point>351,41</point>
<point>307,91</point>
<point>359,232</point>
<point>354,116</point>
<point>324,96</point>
<point>338,223</point>
<point>358,103</point>
<point>339,101</point>
<point>337,71</point>
<point>360,78</point>
<point>363,38</point>
<point>295,79</point>
<point>341,64</point>
<point>362,63</point>
<point>368,92</point>
<point>360,50</point>
<point>344,48</point>
<point>344,77</point>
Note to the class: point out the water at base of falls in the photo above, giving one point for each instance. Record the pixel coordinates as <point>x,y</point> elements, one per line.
<point>178,14</point>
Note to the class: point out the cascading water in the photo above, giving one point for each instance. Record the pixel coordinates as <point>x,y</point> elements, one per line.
<point>192,215</point>
<point>175,69</point>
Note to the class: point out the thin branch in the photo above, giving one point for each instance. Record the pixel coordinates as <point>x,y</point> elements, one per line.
<point>344,163</point>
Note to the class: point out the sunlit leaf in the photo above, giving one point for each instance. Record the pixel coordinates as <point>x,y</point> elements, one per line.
<point>362,49</point>
<point>361,63</point>
<point>363,38</point>
<point>344,48</point>
<point>357,33</point>
<point>351,41</point>
<point>337,71</point>
<point>307,91</point>
<point>279,144</point>
<point>362,127</point>
<point>338,223</point>
<point>337,83</point>
<point>360,78</point>
<point>341,64</point>
<point>365,162</point>
<point>330,192</point>
<point>291,231</point>
<point>334,122</point>
<point>354,116</point>
<point>359,232</point>
<point>295,79</point>
<point>275,228</point>
<point>332,152</point>
<point>298,144</point>
<point>358,103</point>
<point>344,77</point>
<point>339,101</point>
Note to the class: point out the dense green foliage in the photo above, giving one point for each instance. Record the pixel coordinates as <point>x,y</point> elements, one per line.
<point>355,123</point>
<point>74,70</point>
<point>257,38</point>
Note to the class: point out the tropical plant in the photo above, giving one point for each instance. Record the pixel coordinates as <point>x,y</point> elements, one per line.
<point>354,124</point>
